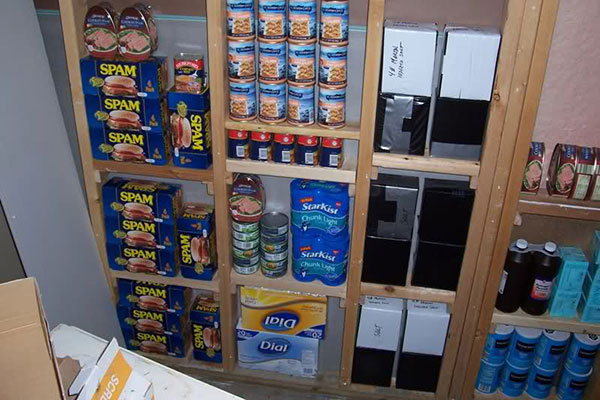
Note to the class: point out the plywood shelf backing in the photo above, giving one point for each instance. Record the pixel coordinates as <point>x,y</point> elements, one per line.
<point>350,131</point>
<point>343,175</point>
<point>158,171</point>
<point>553,206</point>
<point>519,318</point>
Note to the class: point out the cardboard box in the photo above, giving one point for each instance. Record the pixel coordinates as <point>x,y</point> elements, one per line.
<point>408,58</point>
<point>572,271</point>
<point>385,261</point>
<point>120,230</point>
<point>197,254</point>
<point>469,63</point>
<point>588,312</point>
<point>158,322</point>
<point>104,112</point>
<point>123,257</point>
<point>426,328</point>
<point>438,265</point>
<point>153,343</point>
<point>563,303</point>
<point>206,330</point>
<point>591,289</point>
<point>150,147</point>
<point>381,321</point>
<point>153,296</point>
<point>283,312</point>
<point>27,364</point>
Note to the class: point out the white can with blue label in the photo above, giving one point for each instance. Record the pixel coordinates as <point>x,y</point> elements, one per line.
<point>497,344</point>
<point>522,346</point>
<point>539,383</point>
<point>488,378</point>
<point>513,380</point>
<point>582,352</point>
<point>551,349</point>
<point>572,385</point>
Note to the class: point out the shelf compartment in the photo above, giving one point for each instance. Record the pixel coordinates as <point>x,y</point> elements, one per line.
<point>287,282</point>
<point>212,286</point>
<point>426,164</point>
<point>159,171</point>
<point>343,175</point>
<point>552,206</point>
<point>519,318</point>
<point>407,292</point>
<point>350,131</point>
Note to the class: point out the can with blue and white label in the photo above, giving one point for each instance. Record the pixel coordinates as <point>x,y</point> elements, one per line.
<point>522,346</point>
<point>551,349</point>
<point>539,383</point>
<point>513,380</point>
<point>488,378</point>
<point>497,344</point>
<point>572,385</point>
<point>582,352</point>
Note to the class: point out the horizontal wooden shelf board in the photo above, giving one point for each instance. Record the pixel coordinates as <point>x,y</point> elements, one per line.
<point>392,392</point>
<point>426,164</point>
<point>498,395</point>
<point>158,171</point>
<point>553,206</point>
<point>350,131</point>
<point>519,318</point>
<point>343,175</point>
<point>407,292</point>
<point>287,282</point>
<point>212,286</point>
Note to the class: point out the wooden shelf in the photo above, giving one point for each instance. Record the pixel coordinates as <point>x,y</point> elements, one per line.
<point>343,175</point>
<point>287,282</point>
<point>500,396</point>
<point>407,292</point>
<point>552,206</point>
<point>519,318</point>
<point>159,171</point>
<point>350,131</point>
<point>426,164</point>
<point>212,286</point>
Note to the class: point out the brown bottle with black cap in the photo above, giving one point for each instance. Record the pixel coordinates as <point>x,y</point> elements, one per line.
<point>545,265</point>
<point>515,277</point>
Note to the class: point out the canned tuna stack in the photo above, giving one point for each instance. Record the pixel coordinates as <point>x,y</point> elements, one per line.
<point>274,244</point>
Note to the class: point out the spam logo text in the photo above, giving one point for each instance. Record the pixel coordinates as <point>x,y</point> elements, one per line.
<point>141,226</point>
<point>185,248</point>
<point>129,138</point>
<point>198,331</point>
<point>143,314</point>
<point>139,253</point>
<point>122,104</point>
<point>143,336</point>
<point>149,291</point>
<point>120,70</point>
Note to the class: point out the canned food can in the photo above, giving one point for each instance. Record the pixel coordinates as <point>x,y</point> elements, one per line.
<point>137,33</point>
<point>582,352</point>
<point>302,20</point>
<point>331,153</point>
<point>239,144</point>
<point>594,193</point>
<point>584,172</point>
<point>272,19</point>
<point>533,170</point>
<point>274,257</point>
<point>245,227</point>
<point>497,344</point>
<point>243,270</point>
<point>561,173</point>
<point>272,61</point>
<point>333,65</point>
<point>246,261</point>
<point>240,60</point>
<point>249,253</point>
<point>274,224</point>
<point>488,377</point>
<point>240,18</point>
<point>245,236</point>
<point>273,269</point>
<point>242,245</point>
<point>100,31</point>
<point>301,104</point>
<point>550,350</point>
<point>189,72</point>
<point>242,101</point>
<point>522,346</point>
<point>572,385</point>
<point>332,107</point>
<point>513,380</point>
<point>307,150</point>
<point>272,100</point>
<point>268,239</point>
<point>539,383</point>
<point>261,149</point>
<point>301,62</point>
<point>284,148</point>
<point>273,247</point>
<point>334,22</point>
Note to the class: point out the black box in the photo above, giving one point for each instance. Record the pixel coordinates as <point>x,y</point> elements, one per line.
<point>385,261</point>
<point>446,211</point>
<point>438,265</point>
<point>401,123</point>
<point>418,372</point>
<point>372,367</point>
<point>458,128</point>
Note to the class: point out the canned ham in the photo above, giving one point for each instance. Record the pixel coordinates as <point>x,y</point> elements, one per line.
<point>137,33</point>
<point>584,172</point>
<point>533,170</point>
<point>561,173</point>
<point>100,31</point>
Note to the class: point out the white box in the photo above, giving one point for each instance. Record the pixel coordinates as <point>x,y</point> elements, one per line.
<point>380,324</point>
<point>469,63</point>
<point>426,327</point>
<point>408,58</point>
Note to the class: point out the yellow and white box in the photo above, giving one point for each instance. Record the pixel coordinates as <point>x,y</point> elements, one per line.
<point>283,312</point>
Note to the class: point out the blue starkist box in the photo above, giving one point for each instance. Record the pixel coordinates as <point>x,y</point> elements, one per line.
<point>141,200</point>
<point>120,145</point>
<point>196,241</point>
<point>123,78</point>
<point>122,257</point>
<point>152,296</point>
<point>125,113</point>
<point>172,345</point>
<point>189,127</point>
<point>206,330</point>
<point>142,234</point>
<point>159,322</point>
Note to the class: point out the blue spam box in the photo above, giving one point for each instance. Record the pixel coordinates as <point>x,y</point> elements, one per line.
<point>140,147</point>
<point>158,322</point>
<point>170,298</point>
<point>148,261</point>
<point>172,345</point>
<point>141,200</point>
<point>126,113</point>
<point>121,230</point>
<point>143,79</point>
<point>189,127</point>
<point>206,338</point>
<point>195,228</point>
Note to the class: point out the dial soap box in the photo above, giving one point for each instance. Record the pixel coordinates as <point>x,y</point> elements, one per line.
<point>283,312</point>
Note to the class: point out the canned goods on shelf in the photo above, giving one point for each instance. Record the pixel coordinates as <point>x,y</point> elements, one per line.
<point>239,144</point>
<point>274,257</point>
<point>273,247</point>
<point>100,31</point>
<point>137,33</point>
<point>274,224</point>
<point>272,61</point>
<point>272,99</point>
<point>333,27</point>
<point>332,107</point>
<point>242,101</point>
<point>189,72</point>
<point>245,227</point>
<point>243,270</point>
<point>261,146</point>
<point>249,253</point>
<point>333,65</point>
<point>302,20</point>
<point>284,148</point>
<point>240,61</point>
<point>242,245</point>
<point>272,19</point>
<point>301,104</point>
<point>331,153</point>
<point>301,62</point>
<point>245,236</point>
<point>273,269</point>
<point>307,151</point>
<point>240,19</point>
<point>272,239</point>
<point>246,261</point>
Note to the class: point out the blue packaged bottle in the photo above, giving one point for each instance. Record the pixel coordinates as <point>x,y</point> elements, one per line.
<point>513,380</point>
<point>539,383</point>
<point>488,378</point>
<point>497,344</point>
<point>551,349</point>
<point>522,346</point>
<point>572,385</point>
<point>582,352</point>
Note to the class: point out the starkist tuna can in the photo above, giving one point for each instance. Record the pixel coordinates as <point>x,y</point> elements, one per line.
<point>241,60</point>
<point>245,270</point>
<point>274,224</point>
<point>551,349</point>
<point>301,62</point>
<point>539,383</point>
<point>239,144</point>
<point>245,227</point>
<point>240,19</point>
<point>272,61</point>
<point>272,19</point>
<point>302,20</point>
<point>522,346</point>
<point>272,99</point>
<point>561,172</point>
<point>533,170</point>
<point>100,31</point>
<point>301,104</point>
<point>242,101</point>
<point>331,152</point>
<point>488,377</point>
<point>284,148</point>
<point>261,149</point>
<point>307,151</point>
<point>273,269</point>
<point>513,380</point>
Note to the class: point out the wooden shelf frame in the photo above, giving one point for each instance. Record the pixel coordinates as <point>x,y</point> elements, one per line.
<point>519,318</point>
<point>408,292</point>
<point>346,174</point>
<point>155,171</point>
<point>552,206</point>
<point>350,131</point>
<point>212,285</point>
<point>427,164</point>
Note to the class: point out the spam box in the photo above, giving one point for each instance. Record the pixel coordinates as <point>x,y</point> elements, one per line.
<point>283,312</point>
<point>122,257</point>
<point>125,113</point>
<point>141,234</point>
<point>206,330</point>
<point>196,241</point>
<point>124,78</point>
<point>120,145</point>
<point>140,200</point>
<point>172,345</point>
<point>189,127</point>
<point>148,321</point>
<point>152,296</point>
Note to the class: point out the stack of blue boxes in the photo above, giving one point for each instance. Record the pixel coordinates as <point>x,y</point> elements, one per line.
<point>589,305</point>
<point>569,282</point>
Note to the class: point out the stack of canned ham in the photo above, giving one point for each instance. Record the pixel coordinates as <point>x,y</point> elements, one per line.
<point>285,148</point>
<point>290,25</point>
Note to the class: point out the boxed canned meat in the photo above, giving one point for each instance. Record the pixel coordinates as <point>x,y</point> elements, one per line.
<point>189,127</point>
<point>272,19</point>
<point>333,62</point>
<point>532,178</point>
<point>332,107</point>
<point>242,101</point>
<point>100,31</point>
<point>141,234</point>
<point>206,330</point>
<point>334,22</point>
<point>584,172</point>
<point>189,72</point>
<point>302,20</point>
<point>158,322</point>
<point>272,99</point>
<point>247,199</point>
<point>146,78</point>
<point>561,173</point>
<point>301,62</point>
<point>154,343</point>
<point>125,113</point>
<point>139,147</point>
<point>301,104</point>
<point>196,241</point>
<point>241,61</point>
<point>153,296</point>
<point>240,18</point>
<point>137,33</point>
<point>122,257</point>
<point>272,61</point>
<point>141,200</point>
